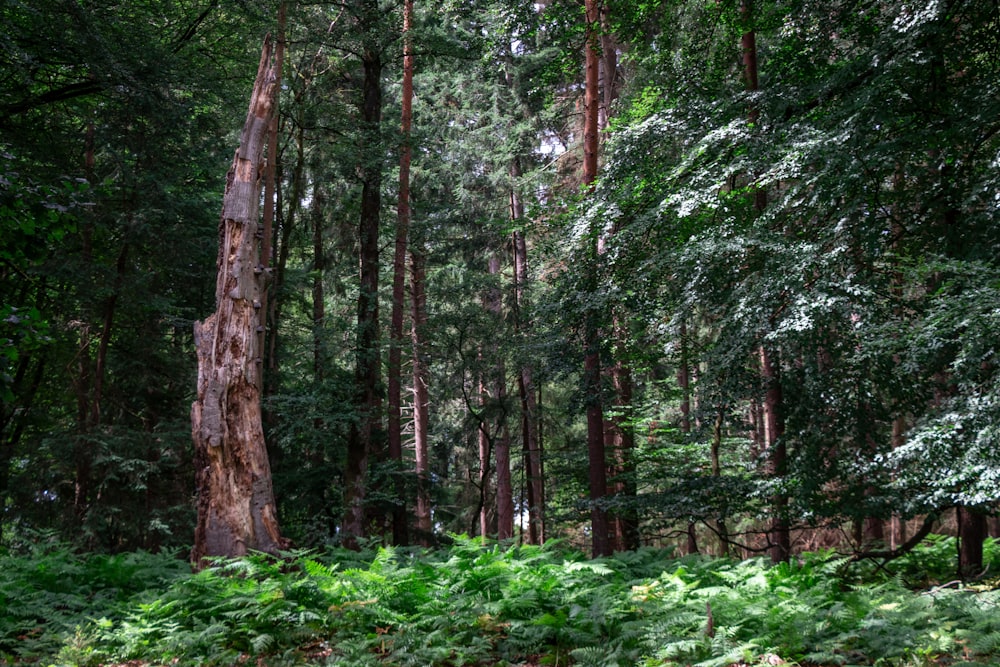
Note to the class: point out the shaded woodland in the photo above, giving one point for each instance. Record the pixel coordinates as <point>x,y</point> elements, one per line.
<point>715,277</point>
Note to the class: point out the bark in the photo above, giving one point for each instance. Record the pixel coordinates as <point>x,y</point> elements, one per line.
<point>318,296</point>
<point>684,383</point>
<point>394,369</point>
<point>597,477</point>
<point>720,526</point>
<point>505,492</point>
<point>626,519</point>
<point>236,509</point>
<point>531,449</point>
<point>485,454</point>
<point>421,384</point>
<point>609,83</point>
<point>365,434</point>
<point>591,96</point>
<point>272,145</point>
<point>774,429</point>
<point>972,531</point>
<point>285,222</point>
<point>618,438</point>
<point>525,383</point>
<point>270,185</point>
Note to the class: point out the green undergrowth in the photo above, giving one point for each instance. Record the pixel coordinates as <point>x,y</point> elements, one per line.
<point>475,604</point>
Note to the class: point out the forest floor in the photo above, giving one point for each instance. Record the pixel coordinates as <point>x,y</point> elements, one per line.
<point>484,605</point>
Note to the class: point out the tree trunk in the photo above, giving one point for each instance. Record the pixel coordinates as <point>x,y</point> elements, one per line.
<point>972,531</point>
<point>270,189</point>
<point>318,275</point>
<point>421,383</point>
<point>626,520</point>
<point>365,434</point>
<point>601,542</point>
<point>285,223</point>
<point>684,383</point>
<point>505,491</point>
<point>236,509</point>
<point>774,429</point>
<point>721,530</point>
<point>394,370</point>
<point>485,454</point>
<point>525,383</point>
<point>773,422</point>
<point>608,67</point>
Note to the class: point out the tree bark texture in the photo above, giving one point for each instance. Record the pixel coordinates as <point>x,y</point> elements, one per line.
<point>366,433</point>
<point>626,519</point>
<point>505,491</point>
<point>236,509</point>
<point>715,449</point>
<point>526,386</point>
<point>684,383</point>
<point>597,478</point>
<point>271,193</point>
<point>394,370</point>
<point>972,531</point>
<point>485,454</point>
<point>421,385</point>
<point>774,430</point>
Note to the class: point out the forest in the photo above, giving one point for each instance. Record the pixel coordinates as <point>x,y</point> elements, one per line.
<point>481,332</point>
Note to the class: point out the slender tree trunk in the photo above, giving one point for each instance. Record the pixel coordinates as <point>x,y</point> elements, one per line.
<point>898,533</point>
<point>485,454</point>
<point>626,519</point>
<point>270,182</point>
<point>716,462</point>
<point>972,531</point>
<point>505,491</point>
<point>525,384</point>
<point>684,382</point>
<point>282,236</point>
<point>394,370</point>
<point>236,509</point>
<point>601,539</point>
<point>90,381</point>
<point>366,434</point>
<point>773,421</point>
<point>421,385</point>
<point>318,276</point>
<point>774,429</point>
<point>531,452</point>
<point>608,68</point>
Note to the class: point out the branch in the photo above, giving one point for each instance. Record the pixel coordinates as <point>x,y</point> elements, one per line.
<point>67,92</point>
<point>906,547</point>
<point>193,28</point>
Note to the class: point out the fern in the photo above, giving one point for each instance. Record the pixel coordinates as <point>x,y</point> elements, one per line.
<point>480,604</point>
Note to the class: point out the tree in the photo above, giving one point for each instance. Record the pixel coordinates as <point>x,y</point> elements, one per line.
<point>366,434</point>
<point>592,356</point>
<point>394,367</point>
<point>236,509</point>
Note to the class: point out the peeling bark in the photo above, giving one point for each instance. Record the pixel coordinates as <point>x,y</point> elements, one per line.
<point>236,508</point>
